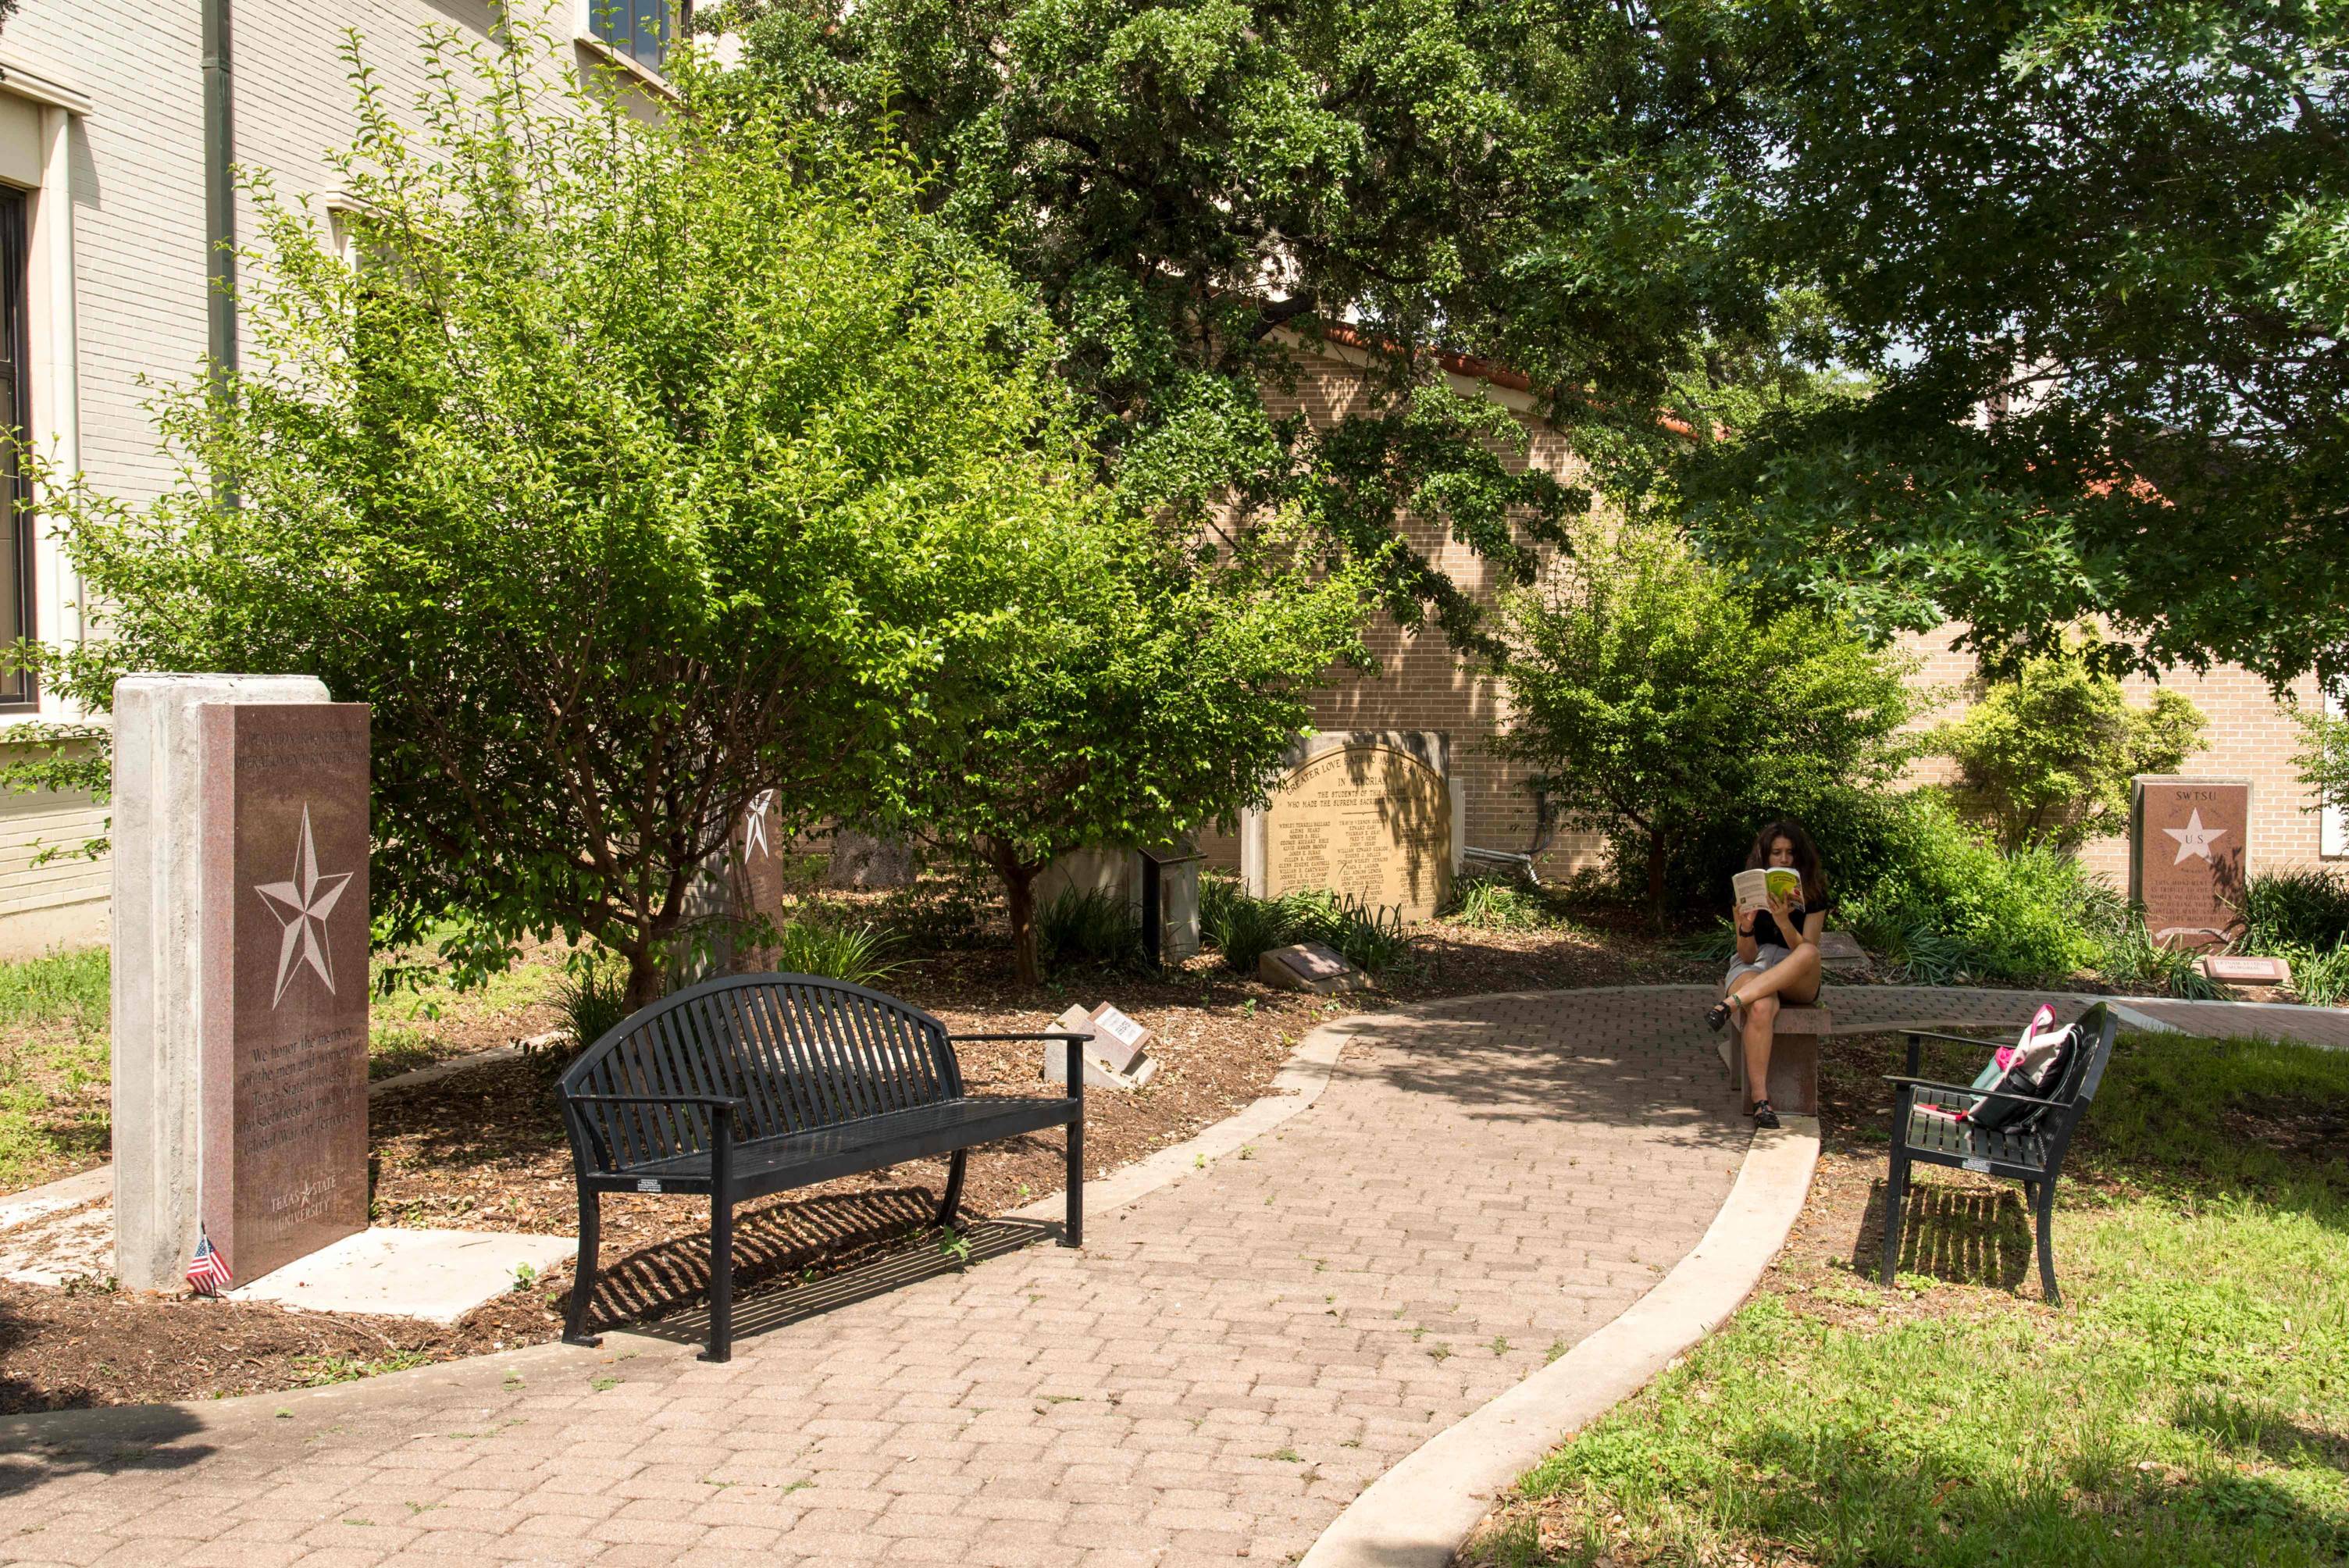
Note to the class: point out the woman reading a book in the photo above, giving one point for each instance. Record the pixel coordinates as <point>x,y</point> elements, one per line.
<point>1782,907</point>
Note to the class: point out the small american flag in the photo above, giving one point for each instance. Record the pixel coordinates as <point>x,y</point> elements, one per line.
<point>207,1271</point>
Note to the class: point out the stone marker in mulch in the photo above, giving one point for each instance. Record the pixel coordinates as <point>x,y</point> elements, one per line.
<point>1309,966</point>
<point>1116,1050</point>
<point>2245,970</point>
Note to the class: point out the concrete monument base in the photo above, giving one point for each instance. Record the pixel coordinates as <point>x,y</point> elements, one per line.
<point>437,1275</point>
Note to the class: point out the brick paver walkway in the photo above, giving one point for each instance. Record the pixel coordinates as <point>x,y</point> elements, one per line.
<point>1212,1377</point>
<point>1227,1362</point>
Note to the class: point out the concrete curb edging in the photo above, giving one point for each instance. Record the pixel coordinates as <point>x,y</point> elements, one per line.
<point>1418,1514</point>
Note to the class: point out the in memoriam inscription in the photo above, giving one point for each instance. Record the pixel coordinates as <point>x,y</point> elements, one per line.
<point>285,935</point>
<point>1367,820</point>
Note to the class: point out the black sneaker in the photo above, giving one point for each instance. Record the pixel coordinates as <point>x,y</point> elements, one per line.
<point>1763,1115</point>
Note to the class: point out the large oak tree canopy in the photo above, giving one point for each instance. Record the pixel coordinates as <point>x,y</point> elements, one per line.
<point>2124,228</point>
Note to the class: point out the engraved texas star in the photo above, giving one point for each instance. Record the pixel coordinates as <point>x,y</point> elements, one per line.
<point>302,906</point>
<point>2194,838</point>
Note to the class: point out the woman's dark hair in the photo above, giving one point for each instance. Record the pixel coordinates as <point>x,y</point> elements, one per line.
<point>1806,858</point>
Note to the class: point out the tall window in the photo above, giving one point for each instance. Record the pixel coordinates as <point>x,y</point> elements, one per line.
<point>16,689</point>
<point>2333,832</point>
<point>639,29</point>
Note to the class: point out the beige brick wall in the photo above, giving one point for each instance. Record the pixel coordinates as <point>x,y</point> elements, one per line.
<point>1423,686</point>
<point>2251,736</point>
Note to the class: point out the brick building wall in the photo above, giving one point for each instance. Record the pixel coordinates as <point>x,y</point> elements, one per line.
<point>1424,686</point>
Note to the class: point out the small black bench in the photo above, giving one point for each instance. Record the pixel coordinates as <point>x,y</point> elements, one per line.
<point>2031,1154</point>
<point>756,1083</point>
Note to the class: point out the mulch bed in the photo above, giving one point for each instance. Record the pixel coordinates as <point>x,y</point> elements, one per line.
<point>483,1150</point>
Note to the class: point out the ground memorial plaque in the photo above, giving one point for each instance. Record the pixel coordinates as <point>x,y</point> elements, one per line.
<point>1368,815</point>
<point>1309,967</point>
<point>1116,1052</point>
<point>2189,856</point>
<point>285,932</point>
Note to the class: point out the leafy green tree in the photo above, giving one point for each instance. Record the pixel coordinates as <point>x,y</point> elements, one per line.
<point>2096,260</point>
<point>2323,755</point>
<point>2046,757</point>
<point>1200,187</point>
<point>635,470</point>
<point>1658,703</point>
<point>1146,692</point>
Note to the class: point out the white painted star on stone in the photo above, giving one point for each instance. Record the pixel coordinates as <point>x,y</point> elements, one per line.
<point>302,905</point>
<point>2194,838</point>
<point>754,832</point>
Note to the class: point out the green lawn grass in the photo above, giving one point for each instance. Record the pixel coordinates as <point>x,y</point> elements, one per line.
<point>2187,1405</point>
<point>54,1049</point>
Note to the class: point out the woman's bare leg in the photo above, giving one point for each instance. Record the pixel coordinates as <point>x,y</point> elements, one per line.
<point>1795,978</point>
<point>1761,1018</point>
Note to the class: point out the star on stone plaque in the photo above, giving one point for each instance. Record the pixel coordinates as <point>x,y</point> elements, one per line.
<point>2194,838</point>
<point>754,830</point>
<point>302,905</point>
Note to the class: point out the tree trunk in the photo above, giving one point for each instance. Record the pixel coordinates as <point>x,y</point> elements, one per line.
<point>646,979</point>
<point>1019,906</point>
<point>1656,877</point>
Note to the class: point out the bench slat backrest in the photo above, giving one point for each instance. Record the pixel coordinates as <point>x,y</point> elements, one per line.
<point>798,1051</point>
<point>2084,1070</point>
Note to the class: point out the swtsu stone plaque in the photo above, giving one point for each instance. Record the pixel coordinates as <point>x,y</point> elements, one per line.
<point>283,926</point>
<point>2189,855</point>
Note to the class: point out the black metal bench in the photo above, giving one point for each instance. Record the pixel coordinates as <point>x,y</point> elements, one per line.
<point>2031,1154</point>
<point>756,1083</point>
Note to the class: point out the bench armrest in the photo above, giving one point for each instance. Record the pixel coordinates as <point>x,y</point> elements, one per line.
<point>1048,1035</point>
<point>1956,1039</point>
<point>1903,1079</point>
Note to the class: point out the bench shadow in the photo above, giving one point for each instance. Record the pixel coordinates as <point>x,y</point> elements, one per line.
<point>877,1239</point>
<point>767,1311</point>
<point>1957,1234</point>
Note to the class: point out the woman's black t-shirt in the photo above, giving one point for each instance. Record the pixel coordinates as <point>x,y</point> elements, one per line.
<point>1765,924</point>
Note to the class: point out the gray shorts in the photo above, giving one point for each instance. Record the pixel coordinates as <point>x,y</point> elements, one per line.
<point>1767,955</point>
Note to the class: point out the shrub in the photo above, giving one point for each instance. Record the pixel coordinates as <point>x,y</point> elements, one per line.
<point>1942,903</point>
<point>2132,958</point>
<point>2045,756</point>
<point>1495,905</point>
<point>2307,908</point>
<point>1089,925</point>
<point>1368,937</point>
<point>2320,977</point>
<point>592,1000</point>
<point>858,954</point>
<point>1245,929</point>
<point>1660,705</point>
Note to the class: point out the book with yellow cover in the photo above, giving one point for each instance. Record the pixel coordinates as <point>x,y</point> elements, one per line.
<point>1755,889</point>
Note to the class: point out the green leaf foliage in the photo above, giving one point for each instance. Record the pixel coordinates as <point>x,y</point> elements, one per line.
<point>1658,703</point>
<point>1137,691</point>
<point>2096,260</point>
<point>1200,188</point>
<point>635,468</point>
<point>2045,756</point>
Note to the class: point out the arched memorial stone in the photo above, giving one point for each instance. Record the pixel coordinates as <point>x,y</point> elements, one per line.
<point>1367,813</point>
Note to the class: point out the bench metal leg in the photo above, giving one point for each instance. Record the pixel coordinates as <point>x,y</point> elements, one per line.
<point>1072,1234</point>
<point>582,1277</point>
<point>2047,1228</point>
<point>953,1200</point>
<point>721,1243</point>
<point>1896,1194</point>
